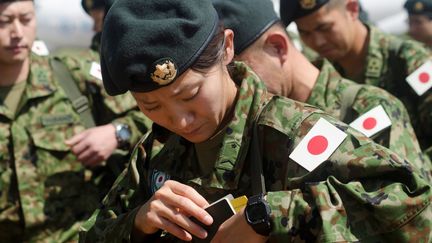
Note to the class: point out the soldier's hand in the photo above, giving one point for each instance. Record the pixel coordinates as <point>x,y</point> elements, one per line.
<point>94,145</point>
<point>170,208</point>
<point>236,229</point>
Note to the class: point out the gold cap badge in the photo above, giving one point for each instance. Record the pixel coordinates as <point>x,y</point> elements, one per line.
<point>307,4</point>
<point>165,72</point>
<point>418,6</point>
<point>89,4</point>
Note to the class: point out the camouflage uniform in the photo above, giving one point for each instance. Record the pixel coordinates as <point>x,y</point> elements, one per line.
<point>359,193</point>
<point>331,90</point>
<point>44,190</point>
<point>389,61</point>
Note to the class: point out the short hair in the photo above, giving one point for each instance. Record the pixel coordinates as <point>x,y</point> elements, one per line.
<point>213,53</point>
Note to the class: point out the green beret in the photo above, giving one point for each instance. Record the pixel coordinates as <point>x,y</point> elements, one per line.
<point>291,10</point>
<point>147,44</point>
<point>249,19</point>
<point>423,7</point>
<point>92,4</point>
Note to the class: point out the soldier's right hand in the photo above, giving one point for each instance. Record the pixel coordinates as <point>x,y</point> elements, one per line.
<point>169,209</point>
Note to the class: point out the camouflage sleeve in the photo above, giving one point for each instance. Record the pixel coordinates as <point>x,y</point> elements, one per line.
<point>401,137</point>
<point>363,192</point>
<point>107,109</point>
<point>114,221</point>
<point>425,116</point>
<point>414,54</point>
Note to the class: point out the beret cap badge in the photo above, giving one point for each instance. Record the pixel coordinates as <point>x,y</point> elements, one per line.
<point>418,6</point>
<point>165,71</point>
<point>307,4</point>
<point>89,3</point>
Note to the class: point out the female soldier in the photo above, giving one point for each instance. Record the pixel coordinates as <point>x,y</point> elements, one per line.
<point>212,126</point>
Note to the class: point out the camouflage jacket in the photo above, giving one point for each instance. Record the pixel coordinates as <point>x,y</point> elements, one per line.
<point>331,90</point>
<point>362,192</point>
<point>389,61</point>
<point>44,190</point>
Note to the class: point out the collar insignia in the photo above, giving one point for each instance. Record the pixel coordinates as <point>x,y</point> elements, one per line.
<point>165,71</point>
<point>418,6</point>
<point>308,4</point>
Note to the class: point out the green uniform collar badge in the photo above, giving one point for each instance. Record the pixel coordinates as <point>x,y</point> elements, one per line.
<point>307,4</point>
<point>165,71</point>
<point>157,179</point>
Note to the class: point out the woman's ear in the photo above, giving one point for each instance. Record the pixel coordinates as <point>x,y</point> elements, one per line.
<point>229,46</point>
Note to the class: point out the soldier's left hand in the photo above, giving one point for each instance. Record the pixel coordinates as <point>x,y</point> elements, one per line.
<point>236,229</point>
<point>94,145</point>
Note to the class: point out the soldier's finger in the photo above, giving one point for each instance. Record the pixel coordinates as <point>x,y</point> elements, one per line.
<point>80,147</point>
<point>187,191</point>
<point>93,161</point>
<point>174,230</point>
<point>175,216</point>
<point>86,156</point>
<point>76,139</point>
<point>184,204</point>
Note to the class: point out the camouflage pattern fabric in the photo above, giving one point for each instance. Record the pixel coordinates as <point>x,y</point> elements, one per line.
<point>389,61</point>
<point>44,191</point>
<point>328,94</point>
<point>362,192</point>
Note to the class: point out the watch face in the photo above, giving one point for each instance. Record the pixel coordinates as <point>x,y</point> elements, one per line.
<point>124,133</point>
<point>257,213</point>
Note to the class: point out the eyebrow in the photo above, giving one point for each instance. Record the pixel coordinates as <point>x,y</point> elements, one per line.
<point>176,93</point>
<point>20,15</point>
<point>145,102</point>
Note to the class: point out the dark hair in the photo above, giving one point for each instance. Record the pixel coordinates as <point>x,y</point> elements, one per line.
<point>213,53</point>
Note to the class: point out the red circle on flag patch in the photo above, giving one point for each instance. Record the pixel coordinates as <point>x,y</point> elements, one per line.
<point>424,77</point>
<point>317,145</point>
<point>370,123</point>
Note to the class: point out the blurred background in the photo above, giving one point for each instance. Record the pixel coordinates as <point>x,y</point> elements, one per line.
<point>63,23</point>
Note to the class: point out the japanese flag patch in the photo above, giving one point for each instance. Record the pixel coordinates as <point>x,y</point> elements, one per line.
<point>39,48</point>
<point>421,79</point>
<point>95,70</point>
<point>318,145</point>
<point>157,180</point>
<point>372,121</point>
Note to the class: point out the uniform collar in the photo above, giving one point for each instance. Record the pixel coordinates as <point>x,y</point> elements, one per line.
<point>235,144</point>
<point>39,83</point>
<point>374,56</point>
<point>374,59</point>
<point>326,90</point>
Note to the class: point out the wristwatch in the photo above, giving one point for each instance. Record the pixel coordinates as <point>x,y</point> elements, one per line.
<point>123,134</point>
<point>257,215</point>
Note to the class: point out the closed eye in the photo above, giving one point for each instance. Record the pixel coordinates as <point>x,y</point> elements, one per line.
<point>152,108</point>
<point>193,96</point>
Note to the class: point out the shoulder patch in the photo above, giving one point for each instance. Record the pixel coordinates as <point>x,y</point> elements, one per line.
<point>95,70</point>
<point>421,79</point>
<point>157,179</point>
<point>39,48</point>
<point>318,145</point>
<point>372,122</point>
